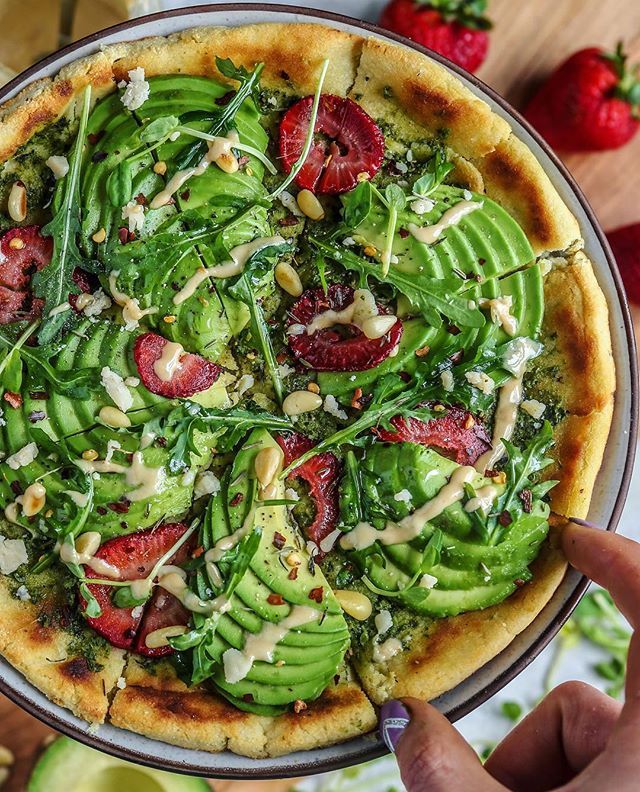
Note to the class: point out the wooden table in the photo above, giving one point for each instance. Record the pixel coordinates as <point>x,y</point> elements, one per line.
<point>528,40</point>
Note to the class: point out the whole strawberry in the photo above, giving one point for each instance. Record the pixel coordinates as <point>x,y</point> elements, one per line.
<point>590,103</point>
<point>625,243</point>
<point>454,28</point>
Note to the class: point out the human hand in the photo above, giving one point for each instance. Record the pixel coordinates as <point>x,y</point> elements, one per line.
<point>577,738</point>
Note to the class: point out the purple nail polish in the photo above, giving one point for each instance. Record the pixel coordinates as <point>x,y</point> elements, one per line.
<point>585,523</point>
<point>394,719</point>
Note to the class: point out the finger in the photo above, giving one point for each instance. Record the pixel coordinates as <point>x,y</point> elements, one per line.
<point>562,735</point>
<point>612,561</point>
<point>433,756</point>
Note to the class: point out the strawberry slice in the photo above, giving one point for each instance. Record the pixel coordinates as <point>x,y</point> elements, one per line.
<point>457,434</point>
<point>192,373</point>
<point>23,251</point>
<point>163,610</point>
<point>625,243</point>
<point>134,556</point>
<point>347,143</point>
<point>339,348</point>
<point>322,474</point>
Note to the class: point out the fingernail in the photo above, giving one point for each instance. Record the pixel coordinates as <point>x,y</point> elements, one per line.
<point>585,523</point>
<point>394,719</point>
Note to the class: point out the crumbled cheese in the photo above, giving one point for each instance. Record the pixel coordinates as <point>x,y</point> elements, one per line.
<point>133,212</point>
<point>236,665</point>
<point>2,420</point>
<point>428,581</point>
<point>207,483</point>
<point>481,381</point>
<point>58,165</point>
<point>467,195</point>
<point>534,408</point>
<point>112,446</point>
<point>13,554</point>
<point>348,241</point>
<point>23,457</point>
<point>296,329</point>
<point>500,308</point>
<point>118,392</point>
<point>291,495</point>
<point>99,302</point>
<point>136,90</point>
<point>401,167</point>
<point>188,478</point>
<point>545,267</point>
<point>404,496</point>
<point>121,683</point>
<point>446,377</point>
<point>22,593</point>
<point>422,205</point>
<point>518,352</point>
<point>245,382</point>
<point>137,611</point>
<point>132,382</point>
<point>290,203</point>
<point>332,407</point>
<point>383,622</point>
<point>285,371</point>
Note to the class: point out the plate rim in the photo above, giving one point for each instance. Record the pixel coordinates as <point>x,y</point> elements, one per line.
<point>280,767</point>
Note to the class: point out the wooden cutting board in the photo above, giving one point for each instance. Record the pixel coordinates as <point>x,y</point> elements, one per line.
<point>528,39</point>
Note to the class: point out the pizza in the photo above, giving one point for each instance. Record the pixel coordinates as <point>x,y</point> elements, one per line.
<point>303,367</point>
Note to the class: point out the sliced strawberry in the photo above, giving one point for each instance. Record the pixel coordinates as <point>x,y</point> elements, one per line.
<point>457,435</point>
<point>192,374</point>
<point>163,610</point>
<point>322,474</point>
<point>82,280</point>
<point>23,251</point>
<point>347,143</point>
<point>625,243</point>
<point>344,347</point>
<point>134,556</point>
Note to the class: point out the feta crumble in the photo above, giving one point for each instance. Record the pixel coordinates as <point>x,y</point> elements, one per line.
<point>23,457</point>
<point>58,165</point>
<point>481,381</point>
<point>404,496</point>
<point>133,213</point>
<point>383,622</point>
<point>22,593</point>
<point>121,683</point>
<point>534,408</point>
<point>245,382</point>
<point>422,205</point>
<point>428,581</point>
<point>446,377</point>
<point>98,303</point>
<point>290,203</point>
<point>332,407</point>
<point>207,483</point>
<point>136,90</point>
<point>13,554</point>
<point>285,371</point>
<point>118,392</point>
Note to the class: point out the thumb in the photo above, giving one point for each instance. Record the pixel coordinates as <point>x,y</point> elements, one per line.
<point>432,755</point>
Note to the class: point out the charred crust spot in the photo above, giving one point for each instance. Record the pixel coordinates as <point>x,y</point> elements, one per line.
<point>76,669</point>
<point>64,88</point>
<point>437,104</point>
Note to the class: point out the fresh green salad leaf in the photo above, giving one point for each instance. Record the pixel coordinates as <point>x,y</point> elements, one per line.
<point>438,169</point>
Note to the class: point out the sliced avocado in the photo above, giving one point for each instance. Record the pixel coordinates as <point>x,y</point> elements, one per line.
<point>69,766</point>
<point>307,657</point>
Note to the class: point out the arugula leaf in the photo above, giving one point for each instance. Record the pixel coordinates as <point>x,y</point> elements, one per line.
<point>438,169</point>
<point>54,282</point>
<point>357,204</point>
<point>396,200</point>
<point>351,495</point>
<point>159,129</point>
<point>433,297</point>
<point>120,184</point>
<point>92,606</point>
<point>223,116</point>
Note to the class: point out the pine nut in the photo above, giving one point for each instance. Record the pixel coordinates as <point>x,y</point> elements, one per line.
<point>313,387</point>
<point>159,638</point>
<point>88,543</point>
<point>169,319</point>
<point>18,202</point>
<point>99,236</point>
<point>378,326</point>
<point>160,168</point>
<point>90,455</point>
<point>310,205</point>
<point>469,423</point>
<point>83,300</point>
<point>288,279</point>
<point>11,512</point>
<point>113,417</point>
<point>364,306</point>
<point>300,402</point>
<point>500,478</point>
<point>355,604</point>
<point>228,163</point>
<point>6,757</point>
<point>33,499</point>
<point>293,559</point>
<point>267,464</point>
<point>16,243</point>
<point>370,251</point>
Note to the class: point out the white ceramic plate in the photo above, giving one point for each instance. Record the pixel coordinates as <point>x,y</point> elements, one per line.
<point>609,495</point>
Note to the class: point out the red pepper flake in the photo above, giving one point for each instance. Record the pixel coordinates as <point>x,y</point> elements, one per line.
<point>505,519</point>
<point>527,500</point>
<point>453,330</point>
<point>197,552</point>
<point>404,233</point>
<point>355,401</point>
<point>237,499</point>
<point>519,582</point>
<point>39,395</point>
<point>248,697</point>
<point>275,599</point>
<point>223,100</point>
<point>293,575</point>
<point>299,706</point>
<point>243,161</point>
<point>161,441</point>
<point>316,594</point>
<point>13,399</point>
<point>290,220</point>
<point>123,235</point>
<point>141,199</point>
<point>491,473</point>
<point>281,357</point>
<point>279,540</point>
<point>98,156</point>
<point>131,236</point>
<point>94,137</point>
<point>101,510</point>
<point>185,195</point>
<point>16,487</point>
<point>120,507</point>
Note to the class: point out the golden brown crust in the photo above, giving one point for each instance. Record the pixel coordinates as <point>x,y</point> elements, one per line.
<point>42,654</point>
<point>515,179</point>
<point>456,647</point>
<point>158,705</point>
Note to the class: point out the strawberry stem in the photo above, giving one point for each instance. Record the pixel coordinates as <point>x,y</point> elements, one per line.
<point>628,88</point>
<point>469,13</point>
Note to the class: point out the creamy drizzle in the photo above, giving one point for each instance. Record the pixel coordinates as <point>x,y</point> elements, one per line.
<point>262,645</point>
<point>505,421</point>
<point>174,583</point>
<point>169,361</point>
<point>483,500</point>
<point>131,311</point>
<point>364,534</point>
<point>430,234</point>
<point>70,555</point>
<point>145,481</point>
<point>356,313</point>
<point>229,542</point>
